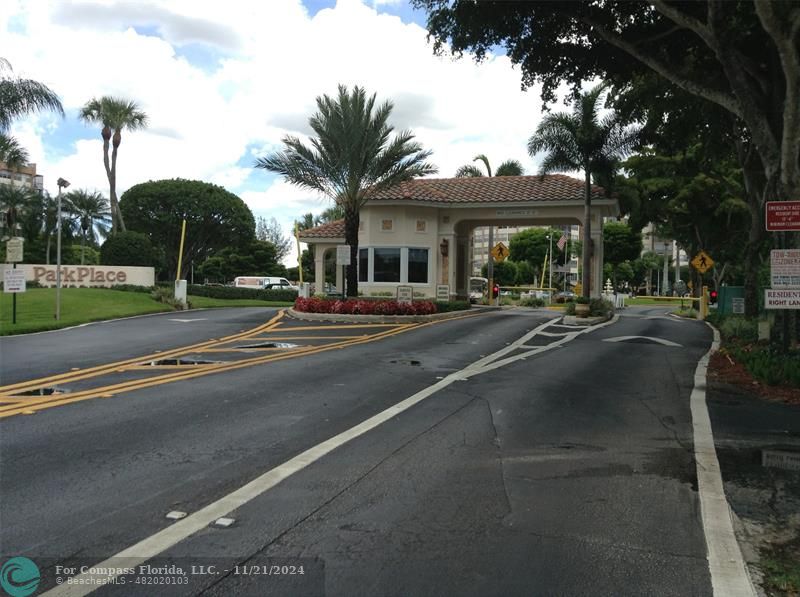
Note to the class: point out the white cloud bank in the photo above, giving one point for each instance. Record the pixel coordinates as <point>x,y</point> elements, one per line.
<point>223,86</point>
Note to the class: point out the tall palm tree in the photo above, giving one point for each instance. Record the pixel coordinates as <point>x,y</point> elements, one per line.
<point>581,140</point>
<point>20,97</point>
<point>12,153</point>
<point>507,168</point>
<point>92,213</point>
<point>355,152</point>
<point>115,114</point>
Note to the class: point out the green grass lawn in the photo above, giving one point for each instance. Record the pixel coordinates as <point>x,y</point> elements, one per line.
<point>669,302</point>
<point>36,308</point>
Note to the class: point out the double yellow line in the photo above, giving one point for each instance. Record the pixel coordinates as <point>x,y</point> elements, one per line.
<point>12,404</point>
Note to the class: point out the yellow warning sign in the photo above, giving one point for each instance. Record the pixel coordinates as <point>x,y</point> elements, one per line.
<point>500,252</point>
<point>702,262</point>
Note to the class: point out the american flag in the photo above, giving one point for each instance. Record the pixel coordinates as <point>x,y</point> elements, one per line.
<point>562,242</point>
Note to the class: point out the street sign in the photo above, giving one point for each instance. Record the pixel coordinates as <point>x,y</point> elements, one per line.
<point>342,254</point>
<point>785,268</point>
<point>500,252</point>
<point>14,250</point>
<point>781,299</point>
<point>405,294</point>
<point>14,280</point>
<point>443,292</point>
<point>783,216</point>
<point>737,305</point>
<point>702,262</point>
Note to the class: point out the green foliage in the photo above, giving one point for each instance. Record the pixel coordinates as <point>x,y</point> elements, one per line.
<point>231,292</point>
<point>598,307</point>
<point>215,218</point>
<point>620,243</point>
<point>768,364</point>
<point>505,273</point>
<point>71,255</point>
<point>738,327</point>
<point>258,258</point>
<point>448,306</point>
<point>532,301</point>
<point>525,274</point>
<point>532,245</point>
<point>166,295</point>
<point>128,248</point>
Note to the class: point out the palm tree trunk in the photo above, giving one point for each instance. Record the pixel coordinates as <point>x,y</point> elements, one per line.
<point>47,255</point>
<point>111,193</point>
<point>586,278</point>
<point>351,221</point>
<point>113,182</point>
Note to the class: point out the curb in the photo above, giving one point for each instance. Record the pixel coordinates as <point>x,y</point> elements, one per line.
<point>584,321</point>
<point>345,318</point>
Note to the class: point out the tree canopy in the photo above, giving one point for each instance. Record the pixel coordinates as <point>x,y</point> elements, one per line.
<point>215,218</point>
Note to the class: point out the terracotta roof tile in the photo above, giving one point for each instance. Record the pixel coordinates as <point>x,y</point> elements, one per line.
<point>333,229</point>
<point>498,189</point>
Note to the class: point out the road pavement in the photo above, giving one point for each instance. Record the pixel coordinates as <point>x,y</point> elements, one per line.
<point>569,470</point>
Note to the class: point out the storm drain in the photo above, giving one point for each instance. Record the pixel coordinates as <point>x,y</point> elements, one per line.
<point>43,392</point>
<point>187,362</point>
<point>268,345</point>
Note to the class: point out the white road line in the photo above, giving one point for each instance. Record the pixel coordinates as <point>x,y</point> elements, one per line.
<point>651,338</point>
<point>729,577</point>
<point>147,548</point>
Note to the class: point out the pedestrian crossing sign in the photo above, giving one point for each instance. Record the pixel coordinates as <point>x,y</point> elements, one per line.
<point>500,252</point>
<point>702,262</point>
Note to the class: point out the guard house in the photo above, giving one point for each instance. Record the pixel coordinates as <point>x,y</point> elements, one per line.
<point>418,232</point>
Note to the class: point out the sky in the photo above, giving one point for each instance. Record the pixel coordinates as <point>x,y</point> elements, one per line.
<point>223,83</point>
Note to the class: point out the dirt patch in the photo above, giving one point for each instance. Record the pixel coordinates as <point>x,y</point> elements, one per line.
<point>724,368</point>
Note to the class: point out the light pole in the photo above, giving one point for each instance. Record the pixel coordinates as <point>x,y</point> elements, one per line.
<point>62,184</point>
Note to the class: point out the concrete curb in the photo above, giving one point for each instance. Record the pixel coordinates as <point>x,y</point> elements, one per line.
<point>344,318</point>
<point>587,321</point>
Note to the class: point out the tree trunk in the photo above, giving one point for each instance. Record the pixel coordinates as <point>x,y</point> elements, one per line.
<point>351,222</point>
<point>586,275</point>
<point>47,250</point>
<point>83,244</point>
<point>113,184</point>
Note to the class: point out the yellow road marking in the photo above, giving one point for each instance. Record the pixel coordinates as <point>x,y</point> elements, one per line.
<point>156,355</point>
<point>340,326</point>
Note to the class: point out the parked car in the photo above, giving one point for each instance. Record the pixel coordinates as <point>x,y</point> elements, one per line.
<point>564,296</point>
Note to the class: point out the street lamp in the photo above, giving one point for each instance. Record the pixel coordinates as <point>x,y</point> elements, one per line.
<point>62,184</point>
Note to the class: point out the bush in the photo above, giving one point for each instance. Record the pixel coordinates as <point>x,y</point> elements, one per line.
<point>364,307</point>
<point>768,364</point>
<point>600,307</point>
<point>532,301</point>
<point>736,326</point>
<point>231,292</point>
<point>166,296</point>
<point>128,248</point>
<point>449,306</point>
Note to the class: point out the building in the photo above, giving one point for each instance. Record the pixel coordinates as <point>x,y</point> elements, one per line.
<point>24,176</point>
<point>419,232</point>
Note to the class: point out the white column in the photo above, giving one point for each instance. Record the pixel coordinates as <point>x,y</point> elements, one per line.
<point>319,269</point>
<point>597,257</point>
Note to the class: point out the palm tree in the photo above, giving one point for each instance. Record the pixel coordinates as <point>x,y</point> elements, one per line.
<point>16,203</point>
<point>507,168</point>
<point>354,153</point>
<point>20,97</point>
<point>12,153</point>
<point>582,141</point>
<point>91,211</point>
<point>115,114</point>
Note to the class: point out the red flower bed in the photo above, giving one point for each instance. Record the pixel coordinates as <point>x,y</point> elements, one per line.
<point>363,307</point>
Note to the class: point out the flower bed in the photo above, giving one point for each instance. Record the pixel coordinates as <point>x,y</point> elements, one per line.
<point>363,307</point>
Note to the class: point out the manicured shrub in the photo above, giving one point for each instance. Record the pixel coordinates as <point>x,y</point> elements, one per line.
<point>128,248</point>
<point>364,306</point>
<point>231,292</point>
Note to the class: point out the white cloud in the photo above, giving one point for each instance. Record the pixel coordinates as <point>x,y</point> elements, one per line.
<point>255,78</point>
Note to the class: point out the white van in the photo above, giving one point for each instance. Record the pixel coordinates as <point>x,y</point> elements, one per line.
<point>261,283</point>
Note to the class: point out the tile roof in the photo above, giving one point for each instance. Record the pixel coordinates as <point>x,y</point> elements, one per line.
<point>333,229</point>
<point>472,190</point>
<point>498,189</point>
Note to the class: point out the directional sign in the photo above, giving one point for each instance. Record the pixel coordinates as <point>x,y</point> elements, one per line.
<point>500,252</point>
<point>783,216</point>
<point>702,262</point>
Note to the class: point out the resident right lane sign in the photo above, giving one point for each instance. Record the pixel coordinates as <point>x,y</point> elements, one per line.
<point>781,299</point>
<point>783,216</point>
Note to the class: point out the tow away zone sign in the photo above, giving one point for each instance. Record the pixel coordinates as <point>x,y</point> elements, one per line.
<point>781,299</point>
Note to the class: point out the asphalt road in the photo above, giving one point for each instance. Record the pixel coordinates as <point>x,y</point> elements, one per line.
<point>569,472</point>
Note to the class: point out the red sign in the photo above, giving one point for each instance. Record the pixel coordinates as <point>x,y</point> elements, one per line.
<point>783,216</point>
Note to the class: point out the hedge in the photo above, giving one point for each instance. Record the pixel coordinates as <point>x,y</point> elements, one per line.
<point>231,292</point>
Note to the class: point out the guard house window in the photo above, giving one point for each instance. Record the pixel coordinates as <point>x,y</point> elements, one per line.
<point>418,265</point>
<point>363,265</point>
<point>387,265</point>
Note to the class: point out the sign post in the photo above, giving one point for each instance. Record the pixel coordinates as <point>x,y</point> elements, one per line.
<point>12,283</point>
<point>343,259</point>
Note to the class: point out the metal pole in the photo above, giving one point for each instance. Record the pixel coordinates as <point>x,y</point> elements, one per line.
<point>14,302</point>
<point>61,184</point>
<point>180,251</point>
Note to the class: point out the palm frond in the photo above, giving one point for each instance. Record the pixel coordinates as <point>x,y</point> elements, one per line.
<point>20,97</point>
<point>468,170</point>
<point>510,168</point>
